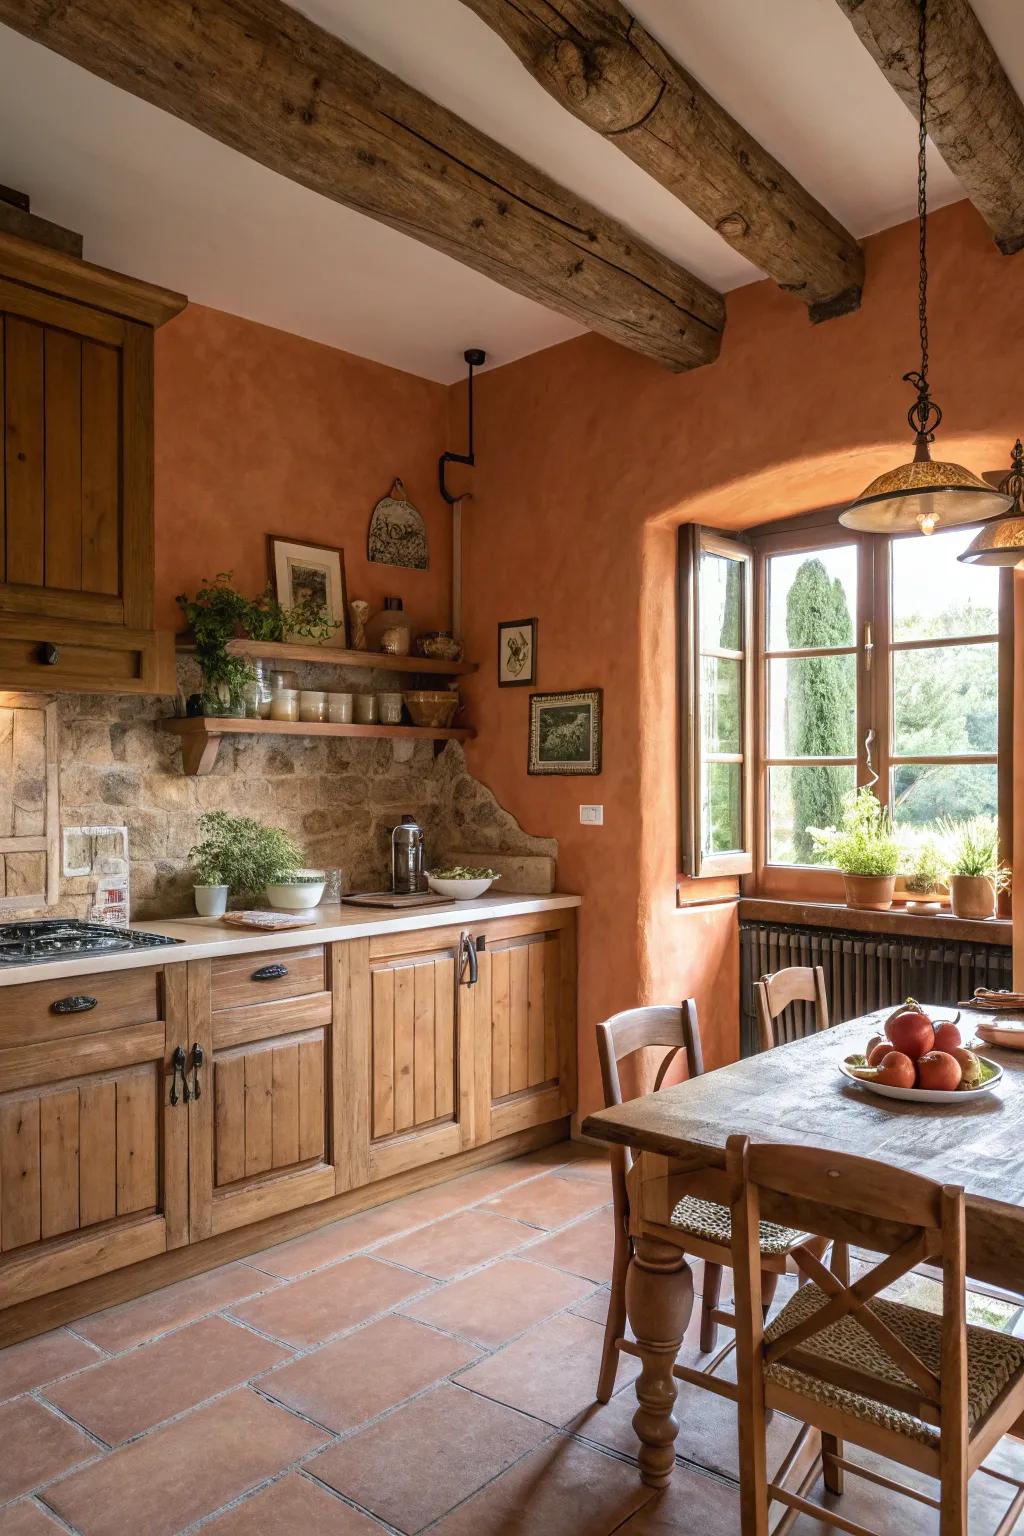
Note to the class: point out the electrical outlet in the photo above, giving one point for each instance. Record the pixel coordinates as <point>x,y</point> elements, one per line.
<point>592,815</point>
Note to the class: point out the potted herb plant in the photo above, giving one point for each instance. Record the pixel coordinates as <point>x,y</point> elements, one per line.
<point>864,849</point>
<point>215,615</point>
<point>246,855</point>
<point>927,876</point>
<point>975,873</point>
<point>296,890</point>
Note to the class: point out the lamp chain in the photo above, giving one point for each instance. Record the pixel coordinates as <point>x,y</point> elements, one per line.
<point>924,415</point>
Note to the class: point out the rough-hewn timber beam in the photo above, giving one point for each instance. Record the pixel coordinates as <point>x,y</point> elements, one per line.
<point>975,117</point>
<point>262,78</point>
<point>597,60</point>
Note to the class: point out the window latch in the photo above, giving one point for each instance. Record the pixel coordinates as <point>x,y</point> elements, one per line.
<point>869,647</point>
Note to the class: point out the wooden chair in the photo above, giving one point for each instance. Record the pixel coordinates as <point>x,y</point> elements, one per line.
<point>699,1228</point>
<point>774,994</point>
<point>927,1391</point>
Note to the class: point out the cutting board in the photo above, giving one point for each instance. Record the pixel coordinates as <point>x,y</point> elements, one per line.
<point>397,899</point>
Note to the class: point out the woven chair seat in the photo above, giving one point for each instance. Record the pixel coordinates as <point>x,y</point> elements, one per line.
<point>713,1224</point>
<point>993,1359</point>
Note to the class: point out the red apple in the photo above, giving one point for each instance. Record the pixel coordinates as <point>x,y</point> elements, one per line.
<point>947,1037</point>
<point>911,1032</point>
<point>970,1067</point>
<point>937,1069</point>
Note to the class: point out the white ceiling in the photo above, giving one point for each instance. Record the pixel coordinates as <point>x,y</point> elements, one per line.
<point>159,200</point>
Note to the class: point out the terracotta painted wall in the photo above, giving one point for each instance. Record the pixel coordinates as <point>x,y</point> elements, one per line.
<point>258,432</point>
<point>589,458</point>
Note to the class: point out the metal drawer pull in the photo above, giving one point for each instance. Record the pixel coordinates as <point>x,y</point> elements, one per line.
<point>197,1061</point>
<point>468,960</point>
<point>178,1066</point>
<point>48,655</point>
<point>270,972</point>
<point>79,1004</point>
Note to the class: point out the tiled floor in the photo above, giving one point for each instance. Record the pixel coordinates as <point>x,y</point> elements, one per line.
<point>425,1366</point>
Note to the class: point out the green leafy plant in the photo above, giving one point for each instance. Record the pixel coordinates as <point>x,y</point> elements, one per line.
<point>927,867</point>
<point>301,877</point>
<point>308,620</point>
<point>973,849</point>
<point>246,855</point>
<point>464,872</point>
<point>864,842</point>
<point>264,617</point>
<point>215,615</point>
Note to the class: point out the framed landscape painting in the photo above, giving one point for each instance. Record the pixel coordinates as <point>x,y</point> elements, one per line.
<point>517,653</point>
<point>313,574</point>
<point>565,732</point>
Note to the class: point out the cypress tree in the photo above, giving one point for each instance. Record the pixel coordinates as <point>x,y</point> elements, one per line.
<point>820,702</point>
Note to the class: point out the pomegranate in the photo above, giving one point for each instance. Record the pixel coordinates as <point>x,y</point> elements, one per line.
<point>894,1071</point>
<point>970,1068</point>
<point>947,1037</point>
<point>910,1030</point>
<point>937,1069</point>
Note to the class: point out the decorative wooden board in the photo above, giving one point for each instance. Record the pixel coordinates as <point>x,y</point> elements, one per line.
<point>269,922</point>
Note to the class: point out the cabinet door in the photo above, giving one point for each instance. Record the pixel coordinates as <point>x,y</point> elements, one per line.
<point>93,1153</point>
<point>261,1138</point>
<point>525,1023</point>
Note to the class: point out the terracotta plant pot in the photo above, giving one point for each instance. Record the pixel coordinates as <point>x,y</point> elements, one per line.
<point>870,893</point>
<point>972,896</point>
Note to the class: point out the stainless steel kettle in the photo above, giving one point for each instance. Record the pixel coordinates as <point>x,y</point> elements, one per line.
<point>407,857</point>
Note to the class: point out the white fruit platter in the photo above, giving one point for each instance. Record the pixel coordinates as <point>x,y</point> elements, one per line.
<point>929,1095</point>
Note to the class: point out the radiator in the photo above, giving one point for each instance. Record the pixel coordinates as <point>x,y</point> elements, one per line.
<point>862,973</point>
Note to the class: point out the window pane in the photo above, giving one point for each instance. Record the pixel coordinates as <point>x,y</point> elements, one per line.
<point>721,808</point>
<point>933,596</point>
<point>812,598</point>
<point>945,699</point>
<point>799,798</point>
<point>812,706</point>
<point>720,704</point>
<point>721,603</point>
<point>922,792</point>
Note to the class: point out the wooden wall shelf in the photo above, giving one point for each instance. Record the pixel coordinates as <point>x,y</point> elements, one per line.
<point>332,656</point>
<point>200,736</point>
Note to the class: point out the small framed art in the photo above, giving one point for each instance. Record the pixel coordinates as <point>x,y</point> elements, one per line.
<point>565,732</point>
<point>517,653</point>
<point>313,574</point>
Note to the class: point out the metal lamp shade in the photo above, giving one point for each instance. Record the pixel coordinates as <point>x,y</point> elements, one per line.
<point>998,543</point>
<point>925,494</point>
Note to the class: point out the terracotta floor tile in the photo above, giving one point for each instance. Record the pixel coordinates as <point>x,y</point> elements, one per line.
<point>295,1506</point>
<point>136,1321</point>
<point>500,1301</point>
<point>186,1470</point>
<point>357,1377</point>
<point>131,1393</point>
<point>27,1519</point>
<point>550,1202</point>
<point>37,1446</point>
<point>329,1300</point>
<point>595,1306</point>
<point>562,1489</point>
<point>43,1359</point>
<point>598,1170</point>
<point>416,1464</point>
<point>450,1247</point>
<point>583,1249</point>
<point>550,1372</point>
<point>691,1504</point>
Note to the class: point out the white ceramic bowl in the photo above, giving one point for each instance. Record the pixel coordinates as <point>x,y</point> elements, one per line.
<point>927,1095</point>
<point>296,898</point>
<point>460,890</point>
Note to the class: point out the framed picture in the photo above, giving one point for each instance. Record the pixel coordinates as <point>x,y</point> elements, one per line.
<point>517,653</point>
<point>305,572</point>
<point>565,732</point>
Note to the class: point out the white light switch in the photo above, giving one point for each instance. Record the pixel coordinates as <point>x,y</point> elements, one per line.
<point>592,815</point>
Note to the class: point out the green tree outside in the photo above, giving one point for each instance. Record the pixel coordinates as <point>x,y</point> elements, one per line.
<point>820,709</point>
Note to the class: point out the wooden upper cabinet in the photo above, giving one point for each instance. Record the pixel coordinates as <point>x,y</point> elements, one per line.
<point>76,490</point>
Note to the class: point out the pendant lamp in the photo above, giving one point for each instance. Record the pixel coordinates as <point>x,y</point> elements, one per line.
<point>1002,542</point>
<point>925,493</point>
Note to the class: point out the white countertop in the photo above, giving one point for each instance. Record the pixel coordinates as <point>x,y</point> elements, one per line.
<point>206,937</point>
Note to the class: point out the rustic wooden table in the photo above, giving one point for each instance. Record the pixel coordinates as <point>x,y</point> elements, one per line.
<point>795,1094</point>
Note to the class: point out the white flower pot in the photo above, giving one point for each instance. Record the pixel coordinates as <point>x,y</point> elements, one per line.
<point>211,900</point>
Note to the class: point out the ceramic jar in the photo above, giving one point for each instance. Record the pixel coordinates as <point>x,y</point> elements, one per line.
<point>366,708</point>
<point>339,708</point>
<point>284,704</point>
<point>312,704</point>
<point>389,630</point>
<point>389,708</point>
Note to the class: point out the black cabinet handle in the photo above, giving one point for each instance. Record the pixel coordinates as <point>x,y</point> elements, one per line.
<point>197,1061</point>
<point>79,1004</point>
<point>48,655</point>
<point>469,962</point>
<point>270,972</point>
<point>178,1067</point>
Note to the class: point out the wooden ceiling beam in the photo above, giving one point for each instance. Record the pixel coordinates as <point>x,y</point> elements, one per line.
<point>596,60</point>
<point>975,117</point>
<point>265,80</point>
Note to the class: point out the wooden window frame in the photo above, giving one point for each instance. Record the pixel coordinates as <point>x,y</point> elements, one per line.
<point>695,540</point>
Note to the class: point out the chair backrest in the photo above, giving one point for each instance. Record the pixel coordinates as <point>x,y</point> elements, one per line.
<point>640,1029</point>
<point>908,1218</point>
<point>774,994</point>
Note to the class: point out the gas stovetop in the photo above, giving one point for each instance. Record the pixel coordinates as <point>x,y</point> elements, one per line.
<point>64,938</point>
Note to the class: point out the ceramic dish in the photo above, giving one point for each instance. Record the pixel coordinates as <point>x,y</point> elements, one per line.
<point>1008,1034</point>
<point>927,1095</point>
<point>459,890</point>
<point>300,896</point>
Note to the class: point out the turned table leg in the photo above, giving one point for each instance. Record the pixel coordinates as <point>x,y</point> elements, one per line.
<point>659,1300</point>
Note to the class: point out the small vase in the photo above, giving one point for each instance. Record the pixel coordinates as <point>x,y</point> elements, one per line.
<point>870,893</point>
<point>972,896</point>
<point>359,612</point>
<point>211,900</point>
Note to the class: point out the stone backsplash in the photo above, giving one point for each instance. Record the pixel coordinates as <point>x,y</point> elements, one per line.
<point>339,797</point>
